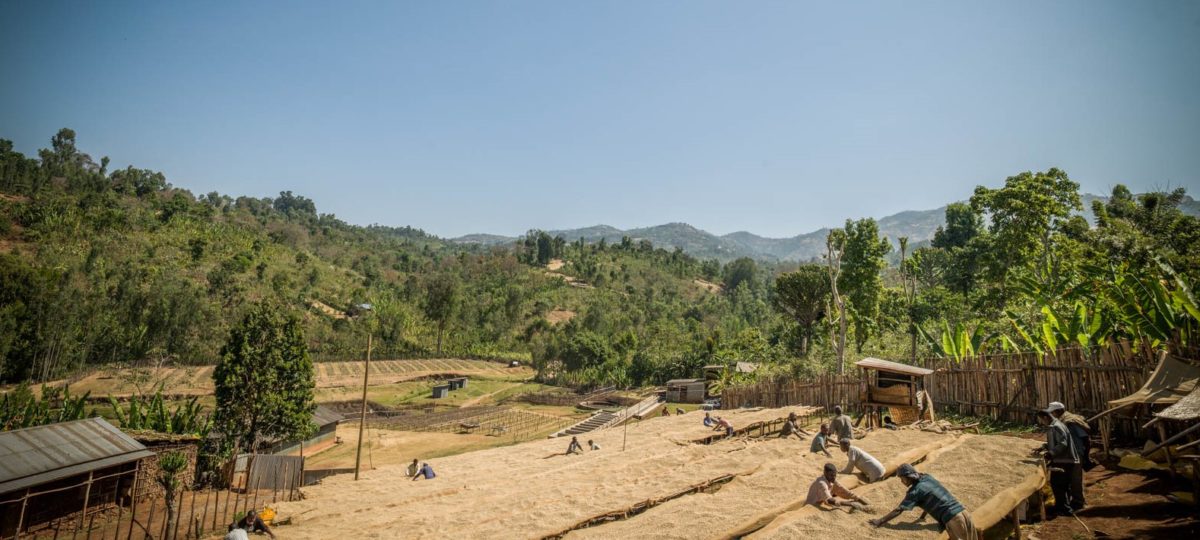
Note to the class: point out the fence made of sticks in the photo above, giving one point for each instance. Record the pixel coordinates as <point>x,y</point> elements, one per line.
<point>1008,387</point>
<point>194,514</point>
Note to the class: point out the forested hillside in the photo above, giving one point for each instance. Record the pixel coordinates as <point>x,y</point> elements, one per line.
<point>100,266</point>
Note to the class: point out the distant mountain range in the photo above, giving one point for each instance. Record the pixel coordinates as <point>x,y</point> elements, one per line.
<point>917,225</point>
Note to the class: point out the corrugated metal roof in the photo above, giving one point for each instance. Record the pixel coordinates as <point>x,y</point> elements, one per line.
<point>894,367</point>
<point>324,416</point>
<point>683,381</point>
<point>41,454</point>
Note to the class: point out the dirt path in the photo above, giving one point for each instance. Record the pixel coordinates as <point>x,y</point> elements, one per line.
<point>1125,504</point>
<point>476,400</point>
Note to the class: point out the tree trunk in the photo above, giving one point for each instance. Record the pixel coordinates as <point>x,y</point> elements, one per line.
<point>441,329</point>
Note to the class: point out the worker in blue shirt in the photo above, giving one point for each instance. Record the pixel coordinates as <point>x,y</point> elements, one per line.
<point>426,472</point>
<point>925,491</point>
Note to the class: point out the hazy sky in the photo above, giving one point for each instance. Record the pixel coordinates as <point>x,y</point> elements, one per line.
<point>459,117</point>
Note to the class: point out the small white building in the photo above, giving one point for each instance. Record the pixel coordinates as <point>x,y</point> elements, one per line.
<point>686,390</point>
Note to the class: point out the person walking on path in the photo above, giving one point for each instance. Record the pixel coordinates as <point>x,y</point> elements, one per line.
<point>925,491</point>
<point>826,490</point>
<point>841,424</point>
<point>1061,452</point>
<point>861,460</point>
<point>820,442</point>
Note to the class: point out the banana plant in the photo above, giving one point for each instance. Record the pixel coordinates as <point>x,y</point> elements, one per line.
<point>957,343</point>
<point>1149,310</point>
<point>153,414</point>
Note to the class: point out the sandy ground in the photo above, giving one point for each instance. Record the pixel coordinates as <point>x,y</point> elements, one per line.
<point>973,469</point>
<point>708,285</point>
<point>197,380</point>
<point>560,316</point>
<point>531,490</point>
<point>786,478</point>
<point>385,446</point>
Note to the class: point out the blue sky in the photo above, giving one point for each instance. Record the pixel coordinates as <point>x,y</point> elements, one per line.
<point>458,117</point>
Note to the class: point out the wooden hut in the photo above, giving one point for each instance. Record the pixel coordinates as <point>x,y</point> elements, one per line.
<point>441,391</point>
<point>686,390</point>
<point>899,388</point>
<point>68,469</point>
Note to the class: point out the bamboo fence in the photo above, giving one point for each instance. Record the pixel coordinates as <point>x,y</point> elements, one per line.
<point>1008,387</point>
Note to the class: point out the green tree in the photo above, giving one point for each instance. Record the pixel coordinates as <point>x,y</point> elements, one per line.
<point>1028,216</point>
<point>835,251</point>
<point>441,301</point>
<point>742,270</point>
<point>264,380</point>
<point>802,295</point>
<point>863,260</point>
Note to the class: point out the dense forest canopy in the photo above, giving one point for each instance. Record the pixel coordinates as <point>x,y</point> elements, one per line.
<point>100,267</point>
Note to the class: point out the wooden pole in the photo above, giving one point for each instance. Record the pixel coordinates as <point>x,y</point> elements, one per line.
<point>1162,435</point>
<point>120,507</point>
<point>21,518</point>
<point>133,497</point>
<point>362,417</point>
<point>86,495</point>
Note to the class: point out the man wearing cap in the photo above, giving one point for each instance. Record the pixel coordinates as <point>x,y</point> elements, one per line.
<point>826,490</point>
<point>1060,450</point>
<point>862,461</point>
<point>925,491</point>
<point>841,425</point>
<point>1081,435</point>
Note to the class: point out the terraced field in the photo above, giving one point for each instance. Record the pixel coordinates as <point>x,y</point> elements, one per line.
<point>197,380</point>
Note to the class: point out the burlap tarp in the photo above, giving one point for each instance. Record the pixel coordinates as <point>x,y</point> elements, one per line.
<point>1187,408</point>
<point>1173,379</point>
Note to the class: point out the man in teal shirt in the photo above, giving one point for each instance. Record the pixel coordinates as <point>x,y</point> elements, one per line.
<point>821,441</point>
<point>925,491</point>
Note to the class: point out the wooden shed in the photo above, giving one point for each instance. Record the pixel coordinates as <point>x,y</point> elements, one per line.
<point>67,469</point>
<point>326,420</point>
<point>899,388</point>
<point>686,390</point>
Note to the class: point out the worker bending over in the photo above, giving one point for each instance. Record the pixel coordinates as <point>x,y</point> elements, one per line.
<point>820,443</point>
<point>725,425</point>
<point>426,472</point>
<point>826,490</point>
<point>791,427</point>
<point>925,491</point>
<point>841,424</point>
<point>861,460</point>
<point>574,447</point>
